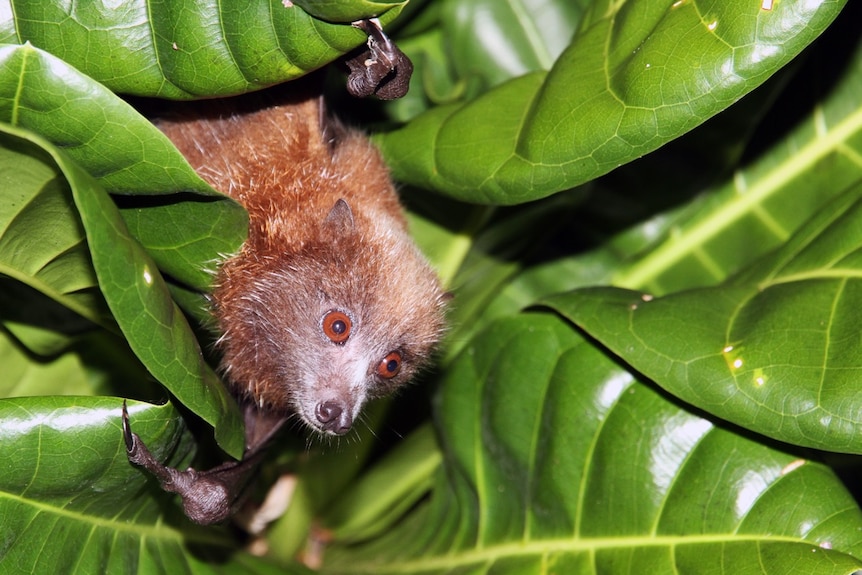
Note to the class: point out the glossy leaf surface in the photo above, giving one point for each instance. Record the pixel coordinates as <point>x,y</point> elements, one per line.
<point>774,349</point>
<point>139,300</point>
<point>635,76</point>
<point>128,156</point>
<point>187,49</point>
<point>557,459</point>
<point>71,502</point>
<point>758,207</point>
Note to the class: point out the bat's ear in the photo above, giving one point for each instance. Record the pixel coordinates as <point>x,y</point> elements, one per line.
<point>340,219</point>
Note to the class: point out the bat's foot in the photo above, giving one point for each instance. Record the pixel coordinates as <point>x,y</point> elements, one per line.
<point>208,496</point>
<point>383,69</point>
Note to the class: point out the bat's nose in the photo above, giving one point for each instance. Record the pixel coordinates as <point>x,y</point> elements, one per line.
<point>333,417</point>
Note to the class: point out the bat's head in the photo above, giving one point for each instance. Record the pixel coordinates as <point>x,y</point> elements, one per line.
<point>352,316</point>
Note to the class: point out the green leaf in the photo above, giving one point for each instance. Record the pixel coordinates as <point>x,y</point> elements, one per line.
<point>774,349</point>
<point>71,502</point>
<point>635,76</point>
<point>471,46</point>
<point>557,460</point>
<point>433,81</point>
<point>490,42</point>
<point>49,283</point>
<point>102,133</point>
<point>780,390</point>
<point>341,11</point>
<point>129,156</point>
<point>188,49</point>
<point>133,287</point>
<point>24,376</point>
<point>761,205</point>
<point>188,235</point>
<point>500,240</point>
<point>384,494</point>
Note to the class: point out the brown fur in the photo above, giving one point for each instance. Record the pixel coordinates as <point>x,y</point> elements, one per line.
<point>303,259</point>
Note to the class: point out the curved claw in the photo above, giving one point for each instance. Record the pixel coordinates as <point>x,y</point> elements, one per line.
<point>127,429</point>
<point>208,496</point>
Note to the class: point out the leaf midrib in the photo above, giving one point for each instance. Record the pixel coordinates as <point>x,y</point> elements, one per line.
<point>160,531</point>
<point>794,165</point>
<point>488,555</point>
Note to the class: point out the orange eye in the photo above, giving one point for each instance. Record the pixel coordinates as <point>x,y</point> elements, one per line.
<point>336,326</point>
<point>390,365</point>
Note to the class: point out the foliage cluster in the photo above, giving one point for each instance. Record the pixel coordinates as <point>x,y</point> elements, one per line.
<point>650,214</point>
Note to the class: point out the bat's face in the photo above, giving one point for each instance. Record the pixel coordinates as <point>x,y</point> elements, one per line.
<point>323,331</point>
<point>365,332</point>
<point>358,352</point>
